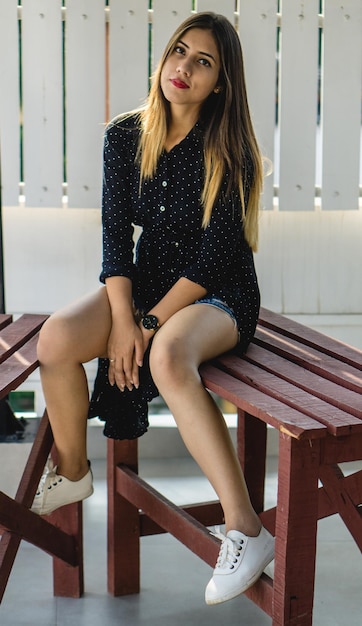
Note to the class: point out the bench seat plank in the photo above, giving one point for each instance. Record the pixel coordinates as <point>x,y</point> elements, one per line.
<point>261,405</point>
<point>327,390</point>
<point>311,359</point>
<point>15,335</point>
<point>5,319</point>
<point>309,337</point>
<point>284,389</point>
<point>18,367</point>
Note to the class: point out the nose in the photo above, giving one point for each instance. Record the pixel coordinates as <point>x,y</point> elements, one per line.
<point>184,67</point>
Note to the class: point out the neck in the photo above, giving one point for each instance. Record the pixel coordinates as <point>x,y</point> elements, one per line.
<point>180,125</point>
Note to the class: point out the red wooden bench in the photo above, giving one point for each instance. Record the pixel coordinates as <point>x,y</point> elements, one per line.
<point>59,534</point>
<point>307,386</point>
<point>300,382</point>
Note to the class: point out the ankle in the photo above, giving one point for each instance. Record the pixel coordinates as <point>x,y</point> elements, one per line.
<point>72,471</point>
<point>250,527</point>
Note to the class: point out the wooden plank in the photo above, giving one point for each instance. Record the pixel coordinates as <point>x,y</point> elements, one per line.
<point>298,104</point>
<point>5,320</point>
<point>341,450</point>
<point>68,579</point>
<point>128,39</point>
<point>333,482</point>
<point>309,337</point>
<point>18,367</point>
<point>352,484</point>
<point>341,104</point>
<point>347,403</point>
<point>123,523</point>
<point>296,531</point>
<point>261,405</point>
<point>10,104</point>
<point>85,100</point>
<point>183,527</point>
<point>167,16</point>
<point>286,390</point>
<point>42,102</point>
<point>179,523</point>
<point>19,520</point>
<point>325,366</point>
<point>226,7</point>
<point>35,464</point>
<point>251,449</point>
<point>257,29</point>
<point>207,513</point>
<point>9,543</point>
<point>18,333</point>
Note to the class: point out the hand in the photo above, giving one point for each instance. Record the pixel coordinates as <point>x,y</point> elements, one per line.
<point>125,351</point>
<point>146,335</point>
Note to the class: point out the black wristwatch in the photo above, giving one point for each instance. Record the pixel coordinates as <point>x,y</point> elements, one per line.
<point>150,322</point>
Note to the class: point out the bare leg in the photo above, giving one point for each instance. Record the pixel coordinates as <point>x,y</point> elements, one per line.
<point>70,337</point>
<point>191,336</point>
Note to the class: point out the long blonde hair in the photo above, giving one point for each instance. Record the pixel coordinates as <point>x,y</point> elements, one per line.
<point>229,135</point>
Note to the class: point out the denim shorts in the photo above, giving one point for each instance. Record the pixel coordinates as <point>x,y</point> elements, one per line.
<point>219,304</point>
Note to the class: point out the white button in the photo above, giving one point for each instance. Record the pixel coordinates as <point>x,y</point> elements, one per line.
<point>164,183</point>
<point>176,244</point>
<point>162,208</point>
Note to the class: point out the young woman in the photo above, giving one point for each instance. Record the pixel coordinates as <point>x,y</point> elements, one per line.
<point>187,169</point>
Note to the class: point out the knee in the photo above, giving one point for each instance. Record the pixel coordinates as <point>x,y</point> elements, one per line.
<point>54,341</point>
<point>170,363</point>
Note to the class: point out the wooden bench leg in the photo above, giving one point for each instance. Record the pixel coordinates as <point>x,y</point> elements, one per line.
<point>251,443</point>
<point>296,529</point>
<point>123,524</point>
<point>68,581</point>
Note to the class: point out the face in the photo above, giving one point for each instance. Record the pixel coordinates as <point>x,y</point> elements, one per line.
<point>190,74</point>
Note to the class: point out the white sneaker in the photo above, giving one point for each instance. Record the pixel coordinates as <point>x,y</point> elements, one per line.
<point>241,562</point>
<point>55,491</point>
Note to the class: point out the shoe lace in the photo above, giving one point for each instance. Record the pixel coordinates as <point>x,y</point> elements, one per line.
<point>49,479</point>
<point>230,550</point>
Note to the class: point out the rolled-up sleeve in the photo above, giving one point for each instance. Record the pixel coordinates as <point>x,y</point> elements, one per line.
<point>116,205</point>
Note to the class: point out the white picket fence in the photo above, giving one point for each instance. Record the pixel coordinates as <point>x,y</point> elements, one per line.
<point>64,70</point>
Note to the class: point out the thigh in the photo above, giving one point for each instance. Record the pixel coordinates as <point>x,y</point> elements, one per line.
<point>198,332</point>
<point>80,329</point>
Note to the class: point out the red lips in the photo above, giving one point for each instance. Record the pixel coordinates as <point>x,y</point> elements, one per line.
<point>176,82</point>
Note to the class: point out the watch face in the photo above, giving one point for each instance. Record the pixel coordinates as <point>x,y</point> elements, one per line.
<point>150,322</point>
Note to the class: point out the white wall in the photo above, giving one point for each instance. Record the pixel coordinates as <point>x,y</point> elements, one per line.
<point>308,263</point>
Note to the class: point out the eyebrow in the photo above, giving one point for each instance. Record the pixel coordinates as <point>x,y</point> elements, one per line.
<point>206,54</point>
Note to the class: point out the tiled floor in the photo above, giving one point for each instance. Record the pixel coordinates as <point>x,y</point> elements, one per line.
<point>173,579</point>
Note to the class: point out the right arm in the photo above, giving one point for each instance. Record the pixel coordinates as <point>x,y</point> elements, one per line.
<point>125,343</point>
<point>125,346</point>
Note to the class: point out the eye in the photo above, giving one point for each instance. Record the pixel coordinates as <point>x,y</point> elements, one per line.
<point>179,50</point>
<point>205,62</point>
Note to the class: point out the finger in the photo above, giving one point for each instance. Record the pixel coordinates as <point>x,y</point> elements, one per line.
<point>123,373</point>
<point>128,373</point>
<point>111,376</point>
<point>118,373</point>
<point>139,352</point>
<point>135,374</point>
